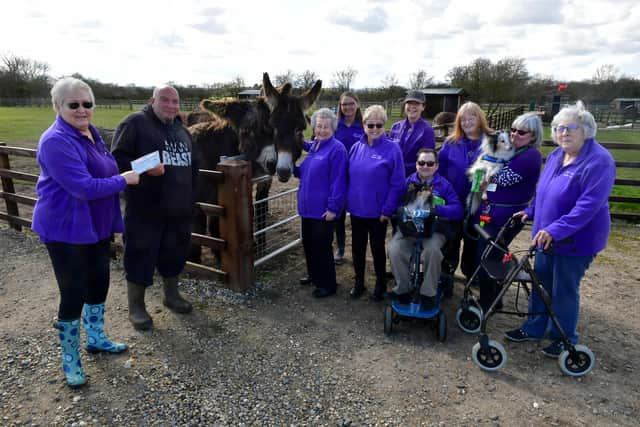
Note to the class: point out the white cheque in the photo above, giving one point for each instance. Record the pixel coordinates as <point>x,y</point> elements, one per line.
<point>146,162</point>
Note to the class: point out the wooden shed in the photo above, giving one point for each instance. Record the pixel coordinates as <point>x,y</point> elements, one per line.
<point>249,94</point>
<point>441,99</point>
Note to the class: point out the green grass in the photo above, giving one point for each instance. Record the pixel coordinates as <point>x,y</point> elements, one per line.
<point>23,126</point>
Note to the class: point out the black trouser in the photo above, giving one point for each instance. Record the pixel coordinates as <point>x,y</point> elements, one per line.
<point>452,256</point>
<point>376,232</point>
<point>82,273</point>
<point>489,288</point>
<point>341,234</point>
<point>150,243</point>
<point>317,235</point>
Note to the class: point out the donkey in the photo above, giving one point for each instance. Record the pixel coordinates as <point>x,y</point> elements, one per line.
<point>268,132</point>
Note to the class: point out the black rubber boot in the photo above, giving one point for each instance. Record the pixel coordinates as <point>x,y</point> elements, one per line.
<point>172,298</point>
<point>357,290</point>
<point>138,315</point>
<point>380,289</point>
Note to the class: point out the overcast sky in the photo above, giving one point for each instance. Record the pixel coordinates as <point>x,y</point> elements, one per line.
<point>206,41</point>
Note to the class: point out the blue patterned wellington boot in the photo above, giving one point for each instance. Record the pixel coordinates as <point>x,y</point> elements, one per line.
<point>69,334</point>
<point>97,341</point>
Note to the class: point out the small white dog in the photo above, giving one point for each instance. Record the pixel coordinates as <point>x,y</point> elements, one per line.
<point>496,150</point>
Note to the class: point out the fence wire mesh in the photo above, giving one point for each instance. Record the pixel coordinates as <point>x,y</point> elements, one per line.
<point>277,225</point>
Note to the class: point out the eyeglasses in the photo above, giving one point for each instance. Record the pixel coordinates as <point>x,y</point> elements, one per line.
<point>375,125</point>
<point>87,105</point>
<point>348,104</point>
<point>520,131</point>
<point>429,163</point>
<point>570,128</point>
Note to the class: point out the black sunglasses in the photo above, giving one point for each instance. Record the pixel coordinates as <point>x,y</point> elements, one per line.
<point>375,125</point>
<point>519,131</point>
<point>75,105</point>
<point>429,163</point>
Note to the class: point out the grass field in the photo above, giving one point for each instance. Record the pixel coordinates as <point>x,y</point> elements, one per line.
<point>23,126</point>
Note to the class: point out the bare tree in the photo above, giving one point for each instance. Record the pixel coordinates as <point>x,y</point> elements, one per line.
<point>22,77</point>
<point>389,80</point>
<point>287,76</point>
<point>342,79</point>
<point>420,79</point>
<point>606,73</point>
<point>306,79</point>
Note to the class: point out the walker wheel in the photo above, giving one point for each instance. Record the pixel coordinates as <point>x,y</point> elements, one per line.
<point>577,363</point>
<point>491,359</point>
<point>388,320</point>
<point>442,326</point>
<point>469,319</point>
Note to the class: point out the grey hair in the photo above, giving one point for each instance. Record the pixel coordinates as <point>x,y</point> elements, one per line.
<point>64,86</point>
<point>374,110</point>
<point>576,112</point>
<point>324,113</point>
<point>158,88</point>
<point>531,122</point>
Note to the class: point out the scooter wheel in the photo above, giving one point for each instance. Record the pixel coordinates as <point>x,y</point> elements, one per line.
<point>469,319</point>
<point>490,359</point>
<point>388,320</point>
<point>578,362</point>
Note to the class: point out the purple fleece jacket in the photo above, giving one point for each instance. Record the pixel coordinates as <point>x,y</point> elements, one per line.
<point>454,159</point>
<point>376,178</point>
<point>453,209</point>
<point>515,186</point>
<point>348,135</point>
<point>323,179</point>
<point>78,187</point>
<point>571,202</point>
<point>412,137</point>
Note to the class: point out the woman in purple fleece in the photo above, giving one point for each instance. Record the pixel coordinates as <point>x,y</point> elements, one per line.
<point>77,211</point>
<point>510,191</point>
<point>571,223</point>
<point>375,185</point>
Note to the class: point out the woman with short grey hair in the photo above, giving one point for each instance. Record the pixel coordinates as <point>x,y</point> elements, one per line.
<point>77,212</point>
<point>321,197</point>
<point>571,225</point>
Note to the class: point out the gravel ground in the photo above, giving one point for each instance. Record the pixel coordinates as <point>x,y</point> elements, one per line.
<point>275,356</point>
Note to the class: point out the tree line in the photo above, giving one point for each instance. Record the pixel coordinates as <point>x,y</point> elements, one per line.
<point>504,81</point>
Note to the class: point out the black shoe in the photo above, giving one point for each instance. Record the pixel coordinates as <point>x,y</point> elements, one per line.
<point>518,335</point>
<point>427,303</point>
<point>323,292</point>
<point>401,298</point>
<point>306,280</point>
<point>356,292</point>
<point>338,258</point>
<point>554,349</point>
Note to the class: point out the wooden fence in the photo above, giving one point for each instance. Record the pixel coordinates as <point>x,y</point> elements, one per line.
<point>235,212</point>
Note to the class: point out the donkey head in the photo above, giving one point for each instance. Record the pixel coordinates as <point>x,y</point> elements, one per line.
<point>288,121</point>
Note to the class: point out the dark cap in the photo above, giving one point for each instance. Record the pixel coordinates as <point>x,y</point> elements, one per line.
<point>415,95</point>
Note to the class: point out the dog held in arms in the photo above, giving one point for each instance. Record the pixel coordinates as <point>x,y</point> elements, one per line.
<point>496,150</point>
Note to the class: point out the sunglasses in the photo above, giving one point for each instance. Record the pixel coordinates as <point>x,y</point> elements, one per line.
<point>570,128</point>
<point>375,125</point>
<point>429,163</point>
<point>519,131</point>
<point>75,105</point>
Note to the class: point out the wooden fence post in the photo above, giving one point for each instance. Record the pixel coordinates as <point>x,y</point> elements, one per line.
<point>236,225</point>
<point>7,187</point>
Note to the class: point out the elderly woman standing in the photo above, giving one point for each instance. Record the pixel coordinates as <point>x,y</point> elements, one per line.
<point>570,223</point>
<point>321,199</point>
<point>511,190</point>
<point>376,183</point>
<point>78,210</point>
<point>412,133</point>
<point>349,132</point>
<point>458,153</point>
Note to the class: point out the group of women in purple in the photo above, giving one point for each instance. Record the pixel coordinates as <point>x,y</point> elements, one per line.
<point>353,166</point>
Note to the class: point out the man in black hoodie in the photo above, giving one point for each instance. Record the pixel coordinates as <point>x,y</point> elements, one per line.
<point>158,212</point>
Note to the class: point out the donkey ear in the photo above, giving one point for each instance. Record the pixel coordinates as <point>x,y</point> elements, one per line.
<point>309,97</point>
<point>270,93</point>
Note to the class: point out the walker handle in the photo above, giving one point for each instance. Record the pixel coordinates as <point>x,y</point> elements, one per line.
<point>482,232</point>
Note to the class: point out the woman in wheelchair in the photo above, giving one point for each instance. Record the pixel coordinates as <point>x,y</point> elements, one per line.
<point>427,190</point>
